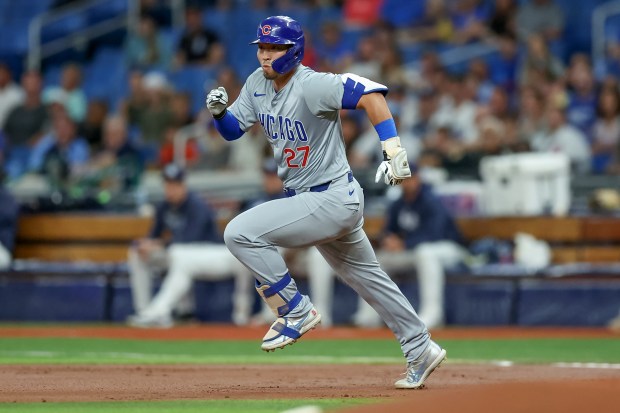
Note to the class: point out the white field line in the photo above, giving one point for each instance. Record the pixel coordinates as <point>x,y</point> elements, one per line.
<point>281,358</point>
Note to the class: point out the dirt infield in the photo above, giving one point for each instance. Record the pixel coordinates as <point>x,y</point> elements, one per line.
<point>467,388</point>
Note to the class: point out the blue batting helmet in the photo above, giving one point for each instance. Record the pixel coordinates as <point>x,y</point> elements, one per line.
<point>282,30</point>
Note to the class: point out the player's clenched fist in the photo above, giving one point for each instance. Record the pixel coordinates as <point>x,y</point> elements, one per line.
<point>217,99</point>
<point>395,166</point>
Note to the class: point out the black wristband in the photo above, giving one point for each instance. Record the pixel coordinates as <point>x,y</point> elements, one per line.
<point>221,115</point>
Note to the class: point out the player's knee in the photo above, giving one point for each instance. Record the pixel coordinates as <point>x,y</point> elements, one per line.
<point>423,250</point>
<point>233,235</point>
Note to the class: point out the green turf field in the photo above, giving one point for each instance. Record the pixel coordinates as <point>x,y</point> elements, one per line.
<point>101,351</point>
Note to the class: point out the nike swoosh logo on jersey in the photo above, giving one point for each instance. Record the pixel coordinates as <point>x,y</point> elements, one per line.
<point>256,94</point>
<point>351,192</point>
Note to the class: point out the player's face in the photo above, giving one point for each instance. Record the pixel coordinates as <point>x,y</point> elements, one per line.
<point>175,192</point>
<point>266,54</point>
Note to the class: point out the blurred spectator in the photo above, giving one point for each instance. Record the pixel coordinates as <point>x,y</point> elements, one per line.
<point>334,54</point>
<point>11,95</point>
<point>479,81</point>
<point>227,77</point>
<point>146,48</point>
<point>391,70</point>
<point>531,119</point>
<point>154,118</point>
<point>361,13</point>
<point>198,45</point>
<point>91,128</point>
<point>70,91</point>
<point>169,148</point>
<point>59,154</point>
<point>427,72</point>
<point>116,169</point>
<point>539,65</point>
<point>606,131</point>
<point>25,125</point>
<point>460,112</point>
<point>311,57</point>
<point>351,132</point>
<point>9,214</point>
<point>609,65</point>
<point>419,233</point>
<point>426,116</point>
<point>184,240</point>
<point>435,25</point>
<point>181,107</point>
<point>136,101</point>
<point>364,62</point>
<point>581,110</point>
<point>248,153</point>
<point>468,19</point>
<point>498,105</point>
<point>215,151</point>
<point>542,17</point>
<point>502,19</point>
<point>503,66</point>
<point>560,136</point>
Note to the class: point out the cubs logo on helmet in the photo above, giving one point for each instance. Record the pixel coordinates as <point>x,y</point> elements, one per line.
<point>282,30</point>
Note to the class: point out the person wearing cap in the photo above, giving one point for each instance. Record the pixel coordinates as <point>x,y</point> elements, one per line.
<point>419,233</point>
<point>184,241</point>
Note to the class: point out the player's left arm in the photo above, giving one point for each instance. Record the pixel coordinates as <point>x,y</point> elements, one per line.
<point>395,166</point>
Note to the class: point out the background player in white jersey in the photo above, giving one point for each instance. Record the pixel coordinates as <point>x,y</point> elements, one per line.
<point>298,109</point>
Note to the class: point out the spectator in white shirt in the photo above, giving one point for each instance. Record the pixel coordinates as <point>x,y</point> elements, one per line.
<point>564,138</point>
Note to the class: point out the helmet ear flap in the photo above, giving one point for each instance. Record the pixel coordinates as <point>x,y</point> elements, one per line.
<point>292,58</point>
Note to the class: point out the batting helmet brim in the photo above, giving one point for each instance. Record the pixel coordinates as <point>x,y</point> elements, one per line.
<point>272,40</point>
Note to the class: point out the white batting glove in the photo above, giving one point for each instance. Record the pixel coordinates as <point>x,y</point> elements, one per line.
<point>395,166</point>
<point>217,99</point>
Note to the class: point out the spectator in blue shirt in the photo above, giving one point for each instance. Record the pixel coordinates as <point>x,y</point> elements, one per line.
<point>582,102</point>
<point>60,153</point>
<point>421,235</point>
<point>185,241</point>
<point>8,225</point>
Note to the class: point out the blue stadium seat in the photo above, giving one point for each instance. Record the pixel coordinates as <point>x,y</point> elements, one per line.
<point>14,37</point>
<point>193,80</point>
<point>402,13</point>
<point>63,27</point>
<point>106,10</point>
<point>105,76</point>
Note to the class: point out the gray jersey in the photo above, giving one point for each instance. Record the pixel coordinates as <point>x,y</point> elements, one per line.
<point>301,122</point>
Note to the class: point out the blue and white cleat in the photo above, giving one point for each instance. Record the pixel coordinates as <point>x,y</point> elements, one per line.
<point>419,370</point>
<point>287,330</point>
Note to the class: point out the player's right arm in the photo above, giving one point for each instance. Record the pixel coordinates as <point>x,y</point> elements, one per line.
<point>233,123</point>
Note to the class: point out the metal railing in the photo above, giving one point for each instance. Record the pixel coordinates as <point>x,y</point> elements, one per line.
<point>37,50</point>
<point>599,17</point>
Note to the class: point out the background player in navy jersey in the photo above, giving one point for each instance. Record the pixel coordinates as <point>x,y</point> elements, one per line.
<point>298,109</point>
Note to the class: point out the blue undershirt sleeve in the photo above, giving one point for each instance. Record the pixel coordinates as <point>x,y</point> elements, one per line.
<point>228,127</point>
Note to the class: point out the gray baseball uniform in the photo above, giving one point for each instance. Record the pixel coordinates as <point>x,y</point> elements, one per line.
<point>325,203</point>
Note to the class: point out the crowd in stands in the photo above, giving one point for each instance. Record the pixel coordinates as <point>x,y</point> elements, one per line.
<point>526,95</point>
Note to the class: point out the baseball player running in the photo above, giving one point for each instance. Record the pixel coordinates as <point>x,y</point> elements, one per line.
<point>298,109</point>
